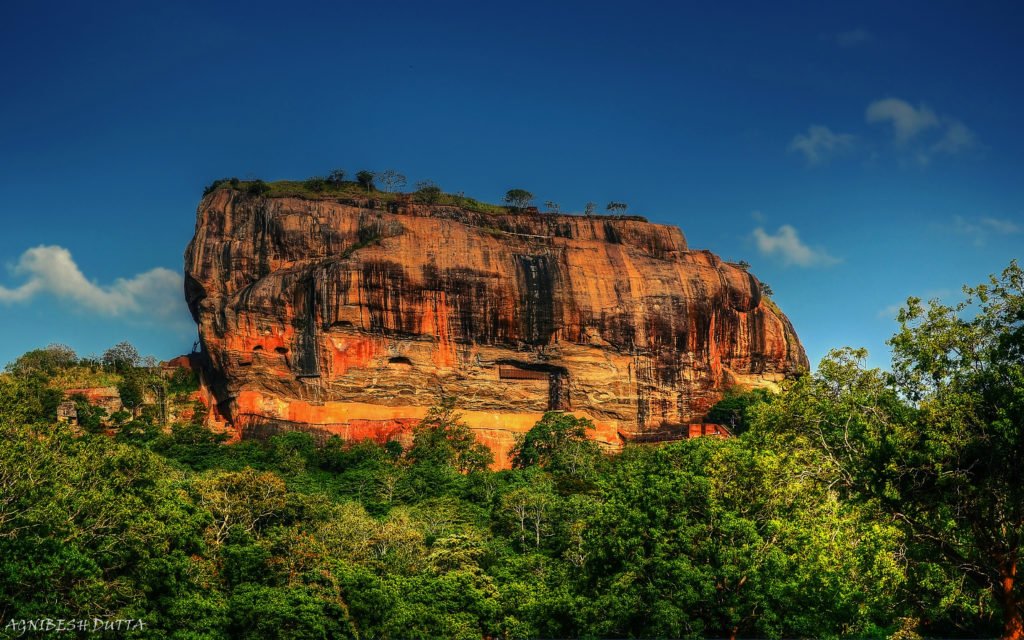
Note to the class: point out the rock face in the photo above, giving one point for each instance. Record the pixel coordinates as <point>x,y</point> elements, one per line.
<point>352,317</point>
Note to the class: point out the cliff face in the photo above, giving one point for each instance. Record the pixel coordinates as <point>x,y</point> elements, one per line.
<point>352,318</point>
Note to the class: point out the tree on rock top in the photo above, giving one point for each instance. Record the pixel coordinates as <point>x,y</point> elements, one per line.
<point>365,180</point>
<point>518,198</point>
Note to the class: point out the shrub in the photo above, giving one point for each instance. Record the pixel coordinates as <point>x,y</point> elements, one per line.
<point>428,192</point>
<point>257,188</point>
<point>183,381</point>
<point>213,186</point>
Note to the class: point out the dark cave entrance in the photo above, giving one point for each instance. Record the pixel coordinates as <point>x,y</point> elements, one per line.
<point>557,378</point>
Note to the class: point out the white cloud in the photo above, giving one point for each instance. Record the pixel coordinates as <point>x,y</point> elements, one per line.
<point>820,142</point>
<point>957,138</point>
<point>786,245</point>
<point>889,312</point>
<point>910,123</point>
<point>852,38</point>
<point>907,122</point>
<point>157,293</point>
<point>999,225</point>
<point>978,230</point>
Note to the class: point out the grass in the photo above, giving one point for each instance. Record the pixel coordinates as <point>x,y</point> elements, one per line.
<point>84,377</point>
<point>315,190</point>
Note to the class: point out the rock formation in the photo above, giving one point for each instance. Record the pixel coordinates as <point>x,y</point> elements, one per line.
<point>351,317</point>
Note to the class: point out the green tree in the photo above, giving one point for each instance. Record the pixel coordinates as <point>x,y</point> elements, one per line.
<point>257,188</point>
<point>935,445</point>
<point>392,180</point>
<point>27,400</point>
<point>442,439</point>
<point>316,184</point>
<point>518,199</point>
<point>959,475</point>
<point>47,361</point>
<point>213,186</point>
<point>723,538</point>
<point>733,410</point>
<point>336,177</point>
<point>90,417</point>
<point>121,357</point>
<point>443,452</point>
<point>131,389</point>
<point>110,529</point>
<point>428,192</point>
<point>617,207</point>
<point>246,500</point>
<point>365,179</point>
<point>559,443</point>
<point>529,509</point>
<point>286,613</point>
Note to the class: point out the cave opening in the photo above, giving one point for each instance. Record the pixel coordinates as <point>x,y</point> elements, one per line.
<point>556,376</point>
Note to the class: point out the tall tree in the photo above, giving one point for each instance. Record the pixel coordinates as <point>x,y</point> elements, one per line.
<point>392,180</point>
<point>937,444</point>
<point>559,443</point>
<point>966,375</point>
<point>365,179</point>
<point>443,439</point>
<point>122,356</point>
<point>336,177</point>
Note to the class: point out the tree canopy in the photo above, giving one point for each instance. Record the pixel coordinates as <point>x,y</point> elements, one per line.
<point>855,502</point>
<point>518,198</point>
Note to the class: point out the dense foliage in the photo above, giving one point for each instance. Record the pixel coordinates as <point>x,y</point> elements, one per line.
<point>856,503</point>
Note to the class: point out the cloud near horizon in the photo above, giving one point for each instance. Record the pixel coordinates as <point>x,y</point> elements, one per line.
<point>786,245</point>
<point>50,269</point>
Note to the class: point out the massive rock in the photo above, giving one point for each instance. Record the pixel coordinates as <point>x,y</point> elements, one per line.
<point>351,317</point>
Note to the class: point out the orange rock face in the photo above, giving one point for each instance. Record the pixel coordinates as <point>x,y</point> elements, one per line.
<point>352,319</point>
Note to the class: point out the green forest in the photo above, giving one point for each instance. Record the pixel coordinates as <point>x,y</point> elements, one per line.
<point>856,502</point>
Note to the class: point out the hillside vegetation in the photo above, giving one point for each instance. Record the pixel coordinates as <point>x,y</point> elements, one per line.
<point>855,503</point>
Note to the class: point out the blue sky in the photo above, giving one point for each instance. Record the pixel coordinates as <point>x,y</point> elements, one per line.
<point>853,153</point>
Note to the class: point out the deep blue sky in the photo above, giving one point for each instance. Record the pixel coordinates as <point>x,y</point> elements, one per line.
<point>853,153</point>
